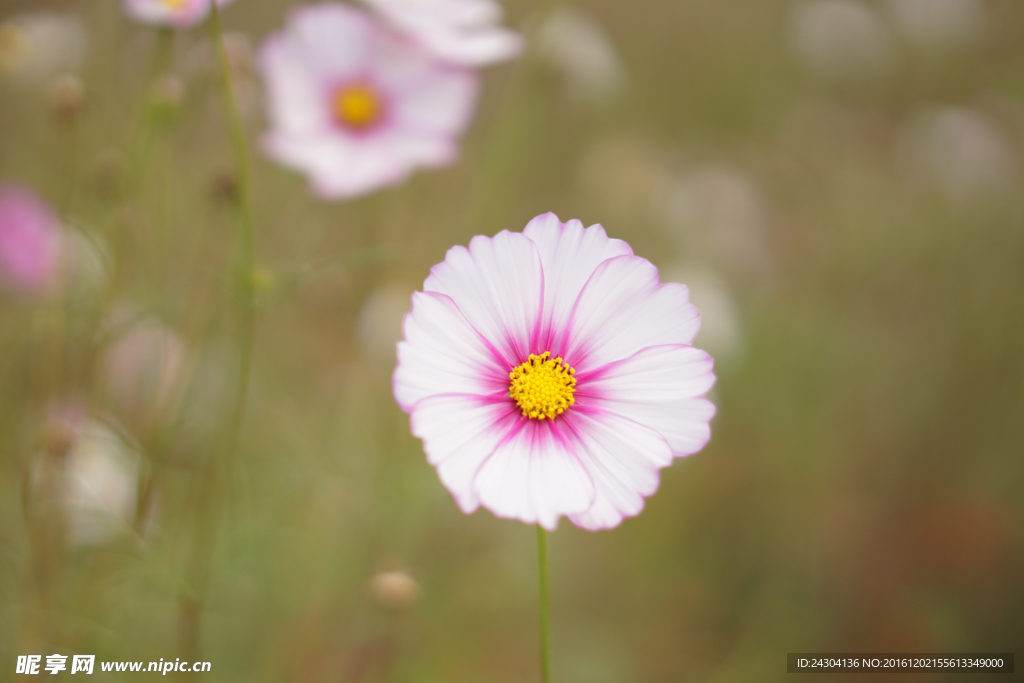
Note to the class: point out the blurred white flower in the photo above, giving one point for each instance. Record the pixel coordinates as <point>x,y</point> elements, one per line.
<point>39,46</point>
<point>578,47</point>
<point>84,260</point>
<point>89,474</point>
<point>941,24</point>
<point>379,328</point>
<point>357,107</point>
<point>718,214</point>
<point>840,40</point>
<point>456,31</point>
<point>144,371</point>
<point>964,152</point>
<point>395,590</point>
<point>721,327</point>
<point>102,475</point>
<point>174,13</point>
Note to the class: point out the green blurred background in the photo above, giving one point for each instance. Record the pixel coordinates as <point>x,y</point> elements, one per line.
<point>839,181</point>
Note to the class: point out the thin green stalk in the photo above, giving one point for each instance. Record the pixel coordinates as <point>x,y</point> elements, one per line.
<point>192,601</point>
<point>545,633</point>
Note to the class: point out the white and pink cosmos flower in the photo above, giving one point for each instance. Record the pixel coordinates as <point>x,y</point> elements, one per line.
<point>30,241</point>
<point>550,373</point>
<point>173,13</point>
<point>456,31</point>
<point>357,107</point>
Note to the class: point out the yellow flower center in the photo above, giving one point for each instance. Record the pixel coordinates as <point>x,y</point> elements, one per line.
<point>174,5</point>
<point>542,387</point>
<point>357,106</point>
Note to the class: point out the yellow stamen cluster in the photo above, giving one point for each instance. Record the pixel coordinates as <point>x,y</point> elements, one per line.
<point>542,387</point>
<point>174,5</point>
<point>357,106</point>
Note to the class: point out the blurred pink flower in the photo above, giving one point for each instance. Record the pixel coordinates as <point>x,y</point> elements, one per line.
<point>30,240</point>
<point>456,31</point>
<point>176,13</point>
<point>357,108</point>
<point>550,373</point>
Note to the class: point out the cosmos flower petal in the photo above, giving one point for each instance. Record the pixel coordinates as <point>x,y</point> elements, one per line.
<point>30,241</point>
<point>570,253</point>
<point>336,40</point>
<point>498,284</point>
<point>443,354</point>
<point>295,95</point>
<point>459,432</point>
<point>623,309</point>
<point>476,49</point>
<point>441,101</point>
<point>533,476</point>
<point>623,458</point>
<point>659,387</point>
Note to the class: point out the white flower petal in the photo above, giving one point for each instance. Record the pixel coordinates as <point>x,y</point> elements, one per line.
<point>623,459</point>
<point>336,40</point>
<point>570,253</point>
<point>443,354</point>
<point>295,98</point>
<point>475,49</point>
<point>498,284</point>
<point>623,309</point>
<point>459,432</point>
<point>534,476</point>
<point>659,387</point>
<point>441,101</point>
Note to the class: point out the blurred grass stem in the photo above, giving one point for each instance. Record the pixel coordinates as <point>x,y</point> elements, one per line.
<point>192,601</point>
<point>545,634</point>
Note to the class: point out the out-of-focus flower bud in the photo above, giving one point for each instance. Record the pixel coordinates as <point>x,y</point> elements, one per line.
<point>67,96</point>
<point>719,215</point>
<point>395,590</point>
<point>144,372</point>
<point>579,49</point>
<point>840,41</point>
<point>963,152</point>
<point>39,46</point>
<point>379,328</point>
<point>87,474</point>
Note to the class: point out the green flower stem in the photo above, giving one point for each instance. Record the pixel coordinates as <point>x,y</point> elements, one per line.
<point>545,633</point>
<point>243,237</point>
<point>213,486</point>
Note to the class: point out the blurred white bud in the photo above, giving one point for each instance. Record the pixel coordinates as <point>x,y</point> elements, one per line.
<point>578,47</point>
<point>720,215</point>
<point>144,371</point>
<point>379,328</point>
<point>93,481</point>
<point>840,41</point>
<point>395,590</point>
<point>721,328</point>
<point>941,24</point>
<point>37,47</point>
<point>963,152</point>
